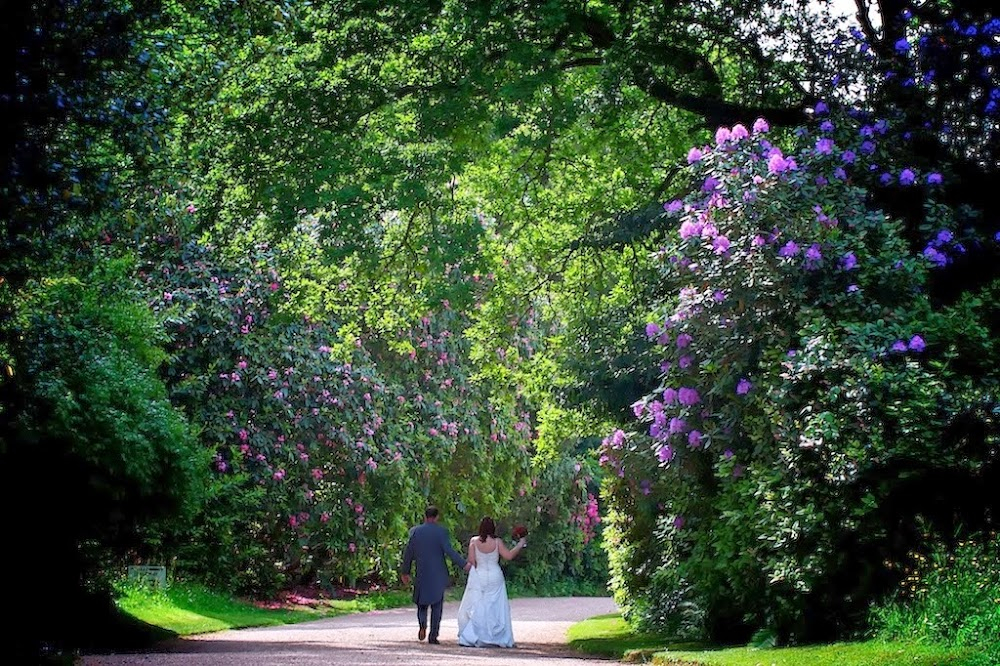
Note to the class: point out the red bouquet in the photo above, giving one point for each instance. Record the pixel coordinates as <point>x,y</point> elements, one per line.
<point>520,531</point>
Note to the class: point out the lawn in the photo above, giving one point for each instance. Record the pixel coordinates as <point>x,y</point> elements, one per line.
<point>609,636</point>
<point>185,609</point>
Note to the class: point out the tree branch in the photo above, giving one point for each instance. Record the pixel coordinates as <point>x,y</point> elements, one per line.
<point>714,110</point>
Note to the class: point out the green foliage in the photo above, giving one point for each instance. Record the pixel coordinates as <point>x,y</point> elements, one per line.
<point>560,511</point>
<point>119,461</point>
<point>949,597</point>
<point>96,408</point>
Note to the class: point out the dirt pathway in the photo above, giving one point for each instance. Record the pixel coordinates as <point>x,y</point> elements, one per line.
<point>379,637</point>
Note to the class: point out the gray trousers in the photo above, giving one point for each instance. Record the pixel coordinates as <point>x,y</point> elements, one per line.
<point>436,610</point>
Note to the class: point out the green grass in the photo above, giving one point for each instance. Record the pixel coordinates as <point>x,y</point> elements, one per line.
<point>866,653</point>
<point>186,609</point>
<point>609,636</point>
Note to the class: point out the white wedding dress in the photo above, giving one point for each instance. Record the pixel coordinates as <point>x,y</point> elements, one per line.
<point>484,616</point>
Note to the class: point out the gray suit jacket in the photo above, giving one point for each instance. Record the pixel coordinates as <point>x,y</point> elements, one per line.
<point>428,545</point>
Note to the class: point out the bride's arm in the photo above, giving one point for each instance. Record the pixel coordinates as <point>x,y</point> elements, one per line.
<point>511,553</point>
<point>472,552</point>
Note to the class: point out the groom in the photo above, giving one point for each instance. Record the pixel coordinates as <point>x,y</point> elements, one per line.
<point>428,545</point>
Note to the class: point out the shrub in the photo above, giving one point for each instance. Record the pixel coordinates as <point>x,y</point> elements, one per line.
<point>809,382</point>
<point>113,461</point>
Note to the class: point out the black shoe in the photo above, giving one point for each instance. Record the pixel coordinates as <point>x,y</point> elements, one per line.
<point>433,641</point>
<point>422,634</point>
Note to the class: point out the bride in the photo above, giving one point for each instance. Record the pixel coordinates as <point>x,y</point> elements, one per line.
<point>484,616</point>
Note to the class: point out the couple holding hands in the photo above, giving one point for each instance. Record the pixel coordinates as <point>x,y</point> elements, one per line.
<point>484,615</point>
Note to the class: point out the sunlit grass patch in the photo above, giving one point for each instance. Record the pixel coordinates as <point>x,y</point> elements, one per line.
<point>192,609</point>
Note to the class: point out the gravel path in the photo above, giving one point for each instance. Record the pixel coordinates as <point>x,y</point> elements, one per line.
<point>380,637</point>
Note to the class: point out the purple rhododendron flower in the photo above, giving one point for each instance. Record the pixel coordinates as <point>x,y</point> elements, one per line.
<point>789,249</point>
<point>652,329</point>
<point>710,184</point>
<point>677,425</point>
<point>839,173</point>
<point>638,408</point>
<point>684,362</point>
<point>826,126</point>
<point>720,244</point>
<point>694,155</point>
<point>916,344</point>
<point>739,132</point>
<point>907,177</point>
<point>935,257</point>
<point>760,126</point>
<point>690,229</point>
<point>943,236</point>
<point>849,261</point>
<point>722,135</point>
<point>743,386</point>
<point>778,164</point>
<point>683,340</point>
<point>674,206</point>
<point>898,346</point>
<point>824,146</point>
<point>934,179</point>
<point>719,296</point>
<point>694,438</point>
<point>851,288</point>
<point>848,156</point>
<point>665,454</point>
<point>902,46</point>
<point>813,254</point>
<point>728,454</point>
<point>821,108</point>
<point>886,178</point>
<point>669,395</point>
<point>868,147</point>
<point>679,522</point>
<point>688,396</point>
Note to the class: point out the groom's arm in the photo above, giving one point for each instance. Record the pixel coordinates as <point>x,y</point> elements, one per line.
<point>450,552</point>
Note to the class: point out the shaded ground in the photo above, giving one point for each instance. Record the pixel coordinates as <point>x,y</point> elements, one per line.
<point>379,637</point>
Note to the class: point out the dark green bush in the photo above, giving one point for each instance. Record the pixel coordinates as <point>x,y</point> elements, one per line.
<point>111,461</point>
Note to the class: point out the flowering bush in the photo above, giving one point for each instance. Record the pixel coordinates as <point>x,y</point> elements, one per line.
<point>806,374</point>
<point>324,452</point>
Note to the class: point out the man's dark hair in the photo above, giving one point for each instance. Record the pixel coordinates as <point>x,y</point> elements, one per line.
<point>431,512</point>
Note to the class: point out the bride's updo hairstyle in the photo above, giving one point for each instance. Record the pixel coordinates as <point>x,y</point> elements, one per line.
<point>487,528</point>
